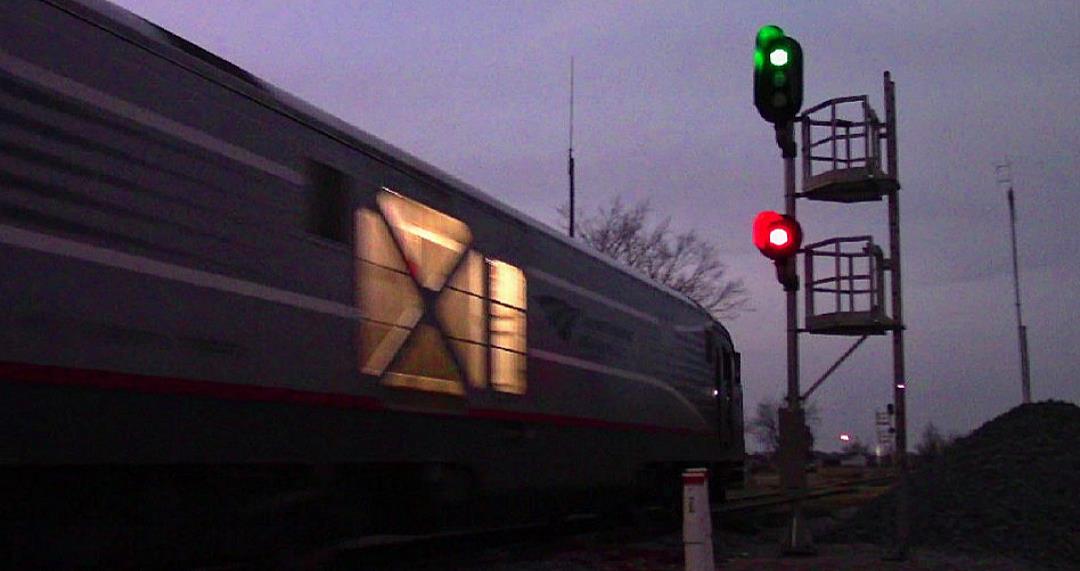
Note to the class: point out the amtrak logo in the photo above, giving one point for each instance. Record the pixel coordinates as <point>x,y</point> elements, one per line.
<point>560,314</point>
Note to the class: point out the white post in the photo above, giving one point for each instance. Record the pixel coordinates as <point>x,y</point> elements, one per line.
<point>697,521</point>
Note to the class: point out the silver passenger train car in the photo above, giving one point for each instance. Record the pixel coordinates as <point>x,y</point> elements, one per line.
<point>202,274</point>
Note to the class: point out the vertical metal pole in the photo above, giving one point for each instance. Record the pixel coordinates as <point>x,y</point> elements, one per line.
<point>837,278</point>
<point>1025,379</point>
<point>797,540</point>
<point>570,166</point>
<point>847,145</point>
<point>807,164</point>
<point>869,132</point>
<point>832,132</point>
<point>792,301</point>
<point>899,382</point>
<point>571,192</point>
<point>851,282</point>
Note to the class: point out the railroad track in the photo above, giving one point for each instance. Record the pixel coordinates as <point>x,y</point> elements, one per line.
<point>590,523</point>
<point>772,499</point>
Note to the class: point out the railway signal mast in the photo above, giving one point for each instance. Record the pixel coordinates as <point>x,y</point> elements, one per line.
<point>778,97</point>
<point>842,161</point>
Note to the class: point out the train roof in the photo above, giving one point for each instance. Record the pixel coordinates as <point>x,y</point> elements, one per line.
<point>282,101</point>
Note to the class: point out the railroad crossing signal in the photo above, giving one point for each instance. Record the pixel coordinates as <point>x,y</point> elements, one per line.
<point>777,236</point>
<point>778,75</point>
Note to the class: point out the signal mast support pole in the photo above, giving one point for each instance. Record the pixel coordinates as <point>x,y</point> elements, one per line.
<point>793,440</point>
<point>899,382</point>
<point>788,150</point>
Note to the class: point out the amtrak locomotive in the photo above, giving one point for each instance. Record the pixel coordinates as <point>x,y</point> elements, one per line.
<point>206,280</point>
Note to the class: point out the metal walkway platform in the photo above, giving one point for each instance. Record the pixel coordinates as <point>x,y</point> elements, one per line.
<point>847,155</point>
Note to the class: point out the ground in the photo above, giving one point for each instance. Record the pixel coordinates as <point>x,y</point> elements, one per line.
<point>744,542</point>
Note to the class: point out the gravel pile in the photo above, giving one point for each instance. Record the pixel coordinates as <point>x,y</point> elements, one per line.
<point>1011,487</point>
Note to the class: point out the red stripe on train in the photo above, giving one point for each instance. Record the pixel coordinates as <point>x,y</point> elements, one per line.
<point>95,378</point>
<point>152,384</point>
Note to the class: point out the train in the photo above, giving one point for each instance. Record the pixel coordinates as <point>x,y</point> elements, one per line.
<point>205,279</point>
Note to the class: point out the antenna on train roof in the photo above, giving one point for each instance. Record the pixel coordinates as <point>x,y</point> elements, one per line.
<point>570,154</point>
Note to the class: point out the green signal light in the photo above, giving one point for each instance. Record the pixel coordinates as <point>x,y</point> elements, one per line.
<point>778,57</point>
<point>768,33</point>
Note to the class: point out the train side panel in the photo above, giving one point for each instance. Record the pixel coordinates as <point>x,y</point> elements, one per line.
<point>170,299</point>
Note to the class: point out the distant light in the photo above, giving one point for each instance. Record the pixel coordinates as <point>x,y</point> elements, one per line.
<point>901,386</point>
<point>715,392</point>
<point>845,437</point>
<point>779,236</point>
<point>778,57</point>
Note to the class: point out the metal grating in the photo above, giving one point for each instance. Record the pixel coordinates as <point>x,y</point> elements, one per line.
<point>845,287</point>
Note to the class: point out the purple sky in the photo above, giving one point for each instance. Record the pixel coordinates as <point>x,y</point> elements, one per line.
<point>664,110</point>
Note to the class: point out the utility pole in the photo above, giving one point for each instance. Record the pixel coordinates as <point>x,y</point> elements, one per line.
<point>1004,177</point>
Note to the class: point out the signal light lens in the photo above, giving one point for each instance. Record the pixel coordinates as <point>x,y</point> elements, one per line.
<point>778,57</point>
<point>767,34</point>
<point>777,236</point>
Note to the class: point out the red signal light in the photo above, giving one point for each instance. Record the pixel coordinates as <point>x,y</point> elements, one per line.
<point>777,236</point>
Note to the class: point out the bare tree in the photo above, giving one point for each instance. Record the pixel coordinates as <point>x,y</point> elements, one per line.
<point>684,261</point>
<point>933,443</point>
<point>765,426</point>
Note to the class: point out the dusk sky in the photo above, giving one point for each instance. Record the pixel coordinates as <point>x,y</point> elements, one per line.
<point>664,110</point>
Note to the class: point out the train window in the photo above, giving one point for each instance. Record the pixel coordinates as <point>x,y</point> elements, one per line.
<point>328,202</point>
<point>402,246</point>
<point>387,298</point>
<point>461,312</point>
<point>508,322</point>
<point>425,364</point>
<point>727,365</point>
<point>431,241</point>
<point>478,331</point>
